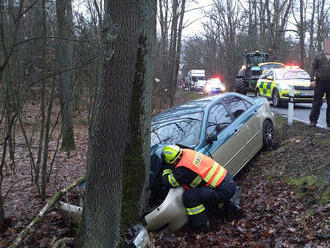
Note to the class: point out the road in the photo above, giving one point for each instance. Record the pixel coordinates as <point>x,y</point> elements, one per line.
<point>301,113</point>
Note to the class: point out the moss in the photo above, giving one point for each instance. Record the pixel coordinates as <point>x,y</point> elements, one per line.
<point>324,141</point>
<point>312,187</point>
<point>134,168</point>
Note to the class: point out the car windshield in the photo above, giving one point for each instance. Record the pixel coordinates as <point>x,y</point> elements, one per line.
<point>196,78</point>
<point>184,129</point>
<point>291,74</point>
<point>270,66</point>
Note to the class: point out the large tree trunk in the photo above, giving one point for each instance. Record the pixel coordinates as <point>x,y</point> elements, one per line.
<point>109,129</point>
<point>65,59</point>
<point>137,157</point>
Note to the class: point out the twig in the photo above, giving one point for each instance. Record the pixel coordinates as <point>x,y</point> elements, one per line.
<point>49,204</point>
<point>61,242</point>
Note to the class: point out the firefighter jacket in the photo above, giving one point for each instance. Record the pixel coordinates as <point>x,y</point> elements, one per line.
<point>194,170</point>
<point>321,67</point>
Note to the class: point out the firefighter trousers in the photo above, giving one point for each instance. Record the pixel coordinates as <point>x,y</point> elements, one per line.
<point>196,200</point>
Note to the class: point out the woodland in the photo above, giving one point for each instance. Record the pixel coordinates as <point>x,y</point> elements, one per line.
<point>78,91</point>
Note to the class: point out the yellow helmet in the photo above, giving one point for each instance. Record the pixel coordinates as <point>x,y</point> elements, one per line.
<point>171,153</point>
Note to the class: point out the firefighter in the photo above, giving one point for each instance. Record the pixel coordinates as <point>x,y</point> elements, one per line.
<point>208,183</point>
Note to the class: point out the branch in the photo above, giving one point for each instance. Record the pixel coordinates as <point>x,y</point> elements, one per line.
<point>61,242</point>
<point>49,204</point>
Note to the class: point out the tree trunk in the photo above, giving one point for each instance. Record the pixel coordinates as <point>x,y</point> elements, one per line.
<point>65,59</point>
<point>172,50</point>
<point>110,125</point>
<point>137,157</point>
<point>302,34</point>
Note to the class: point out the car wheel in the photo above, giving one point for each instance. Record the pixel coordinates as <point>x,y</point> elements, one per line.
<point>257,93</point>
<point>268,133</point>
<point>276,98</point>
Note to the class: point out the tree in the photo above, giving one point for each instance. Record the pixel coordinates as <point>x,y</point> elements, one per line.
<point>122,70</point>
<point>137,157</point>
<point>65,59</point>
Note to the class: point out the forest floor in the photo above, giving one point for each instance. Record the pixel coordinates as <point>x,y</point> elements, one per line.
<point>285,195</point>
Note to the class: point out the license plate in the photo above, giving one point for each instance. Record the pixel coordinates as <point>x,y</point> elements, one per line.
<point>307,93</point>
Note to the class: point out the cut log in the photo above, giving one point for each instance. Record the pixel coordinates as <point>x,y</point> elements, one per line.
<point>44,210</point>
<point>70,213</point>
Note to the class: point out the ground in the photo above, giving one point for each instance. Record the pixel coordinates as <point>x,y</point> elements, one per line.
<point>285,195</point>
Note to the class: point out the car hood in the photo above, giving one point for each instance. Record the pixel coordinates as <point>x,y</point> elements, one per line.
<point>297,82</point>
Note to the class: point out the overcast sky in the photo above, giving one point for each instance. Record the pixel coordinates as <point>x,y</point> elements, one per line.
<point>194,16</point>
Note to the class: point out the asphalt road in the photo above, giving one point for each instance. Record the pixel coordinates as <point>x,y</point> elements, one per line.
<point>301,113</point>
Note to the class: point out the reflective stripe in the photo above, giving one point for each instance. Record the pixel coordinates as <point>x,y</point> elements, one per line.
<point>172,181</point>
<point>166,171</point>
<point>211,172</point>
<point>196,182</point>
<point>221,173</point>
<point>195,210</point>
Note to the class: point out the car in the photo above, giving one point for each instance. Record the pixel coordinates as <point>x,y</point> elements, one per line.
<point>230,127</point>
<point>275,85</point>
<point>214,86</point>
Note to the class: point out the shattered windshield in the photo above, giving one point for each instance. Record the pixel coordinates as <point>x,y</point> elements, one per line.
<point>184,129</point>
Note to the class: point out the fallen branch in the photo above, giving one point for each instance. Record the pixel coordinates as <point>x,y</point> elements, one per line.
<point>61,243</point>
<point>49,204</point>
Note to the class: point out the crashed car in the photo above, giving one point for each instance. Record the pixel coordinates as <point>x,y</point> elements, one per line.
<point>231,128</point>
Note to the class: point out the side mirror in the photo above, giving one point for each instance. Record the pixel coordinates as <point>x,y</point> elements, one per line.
<point>212,137</point>
<point>270,78</point>
<point>220,127</point>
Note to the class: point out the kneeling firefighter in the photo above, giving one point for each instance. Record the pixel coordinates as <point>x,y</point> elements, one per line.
<point>208,183</point>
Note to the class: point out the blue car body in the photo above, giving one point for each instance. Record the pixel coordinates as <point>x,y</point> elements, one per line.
<point>195,115</point>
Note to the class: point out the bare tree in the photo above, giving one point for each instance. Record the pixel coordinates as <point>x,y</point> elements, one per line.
<point>65,58</point>
<point>122,62</point>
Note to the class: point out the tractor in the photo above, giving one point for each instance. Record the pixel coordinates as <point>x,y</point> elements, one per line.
<point>248,75</point>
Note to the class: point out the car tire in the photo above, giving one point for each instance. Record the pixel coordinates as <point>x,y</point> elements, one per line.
<point>268,133</point>
<point>257,92</point>
<point>276,98</point>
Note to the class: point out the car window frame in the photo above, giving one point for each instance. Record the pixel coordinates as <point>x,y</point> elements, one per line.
<point>228,109</point>
<point>208,114</point>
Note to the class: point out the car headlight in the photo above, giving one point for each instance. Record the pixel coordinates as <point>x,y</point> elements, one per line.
<point>208,88</point>
<point>222,88</point>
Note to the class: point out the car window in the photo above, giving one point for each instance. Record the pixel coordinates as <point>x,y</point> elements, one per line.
<point>235,105</point>
<point>218,115</point>
<point>183,130</point>
<point>247,104</point>
<point>292,74</point>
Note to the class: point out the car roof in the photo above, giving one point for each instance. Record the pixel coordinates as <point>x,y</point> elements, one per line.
<point>194,106</point>
<point>288,69</point>
<point>270,63</point>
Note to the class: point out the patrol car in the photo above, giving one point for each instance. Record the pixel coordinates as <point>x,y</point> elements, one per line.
<point>276,84</point>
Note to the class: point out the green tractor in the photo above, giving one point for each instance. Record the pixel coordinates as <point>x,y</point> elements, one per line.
<point>248,75</point>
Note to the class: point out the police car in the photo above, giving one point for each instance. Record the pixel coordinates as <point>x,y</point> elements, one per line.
<point>276,84</point>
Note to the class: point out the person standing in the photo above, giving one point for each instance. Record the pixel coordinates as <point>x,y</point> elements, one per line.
<point>320,80</point>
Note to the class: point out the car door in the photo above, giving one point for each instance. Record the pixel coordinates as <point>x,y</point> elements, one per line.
<point>265,85</point>
<point>227,150</point>
<point>236,143</point>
